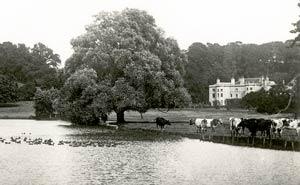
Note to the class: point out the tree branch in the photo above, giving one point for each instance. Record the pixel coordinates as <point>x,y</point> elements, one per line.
<point>164,111</point>
<point>291,94</point>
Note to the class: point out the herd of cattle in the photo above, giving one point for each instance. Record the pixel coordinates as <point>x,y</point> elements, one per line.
<point>267,127</point>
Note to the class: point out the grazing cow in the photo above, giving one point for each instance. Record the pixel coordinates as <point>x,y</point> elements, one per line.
<point>265,126</point>
<point>234,126</point>
<point>254,125</point>
<point>213,123</point>
<point>161,122</point>
<point>200,124</point>
<point>295,125</point>
<point>279,125</point>
<point>250,124</point>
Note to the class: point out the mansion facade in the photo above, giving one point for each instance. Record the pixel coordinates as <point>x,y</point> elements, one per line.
<point>221,91</point>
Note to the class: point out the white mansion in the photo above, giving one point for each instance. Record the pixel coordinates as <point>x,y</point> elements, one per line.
<point>236,90</point>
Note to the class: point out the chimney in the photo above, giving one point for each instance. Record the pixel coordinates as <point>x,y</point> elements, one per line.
<point>267,80</point>
<point>242,80</point>
<point>218,80</point>
<point>232,81</point>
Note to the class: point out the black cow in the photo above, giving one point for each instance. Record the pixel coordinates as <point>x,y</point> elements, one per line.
<point>265,127</point>
<point>161,122</point>
<point>254,125</point>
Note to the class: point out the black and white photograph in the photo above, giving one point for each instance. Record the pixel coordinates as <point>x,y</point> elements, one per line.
<point>149,92</point>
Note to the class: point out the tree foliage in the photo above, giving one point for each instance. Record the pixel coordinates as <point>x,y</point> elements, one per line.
<point>296,30</point>
<point>268,101</point>
<point>44,103</point>
<point>8,89</point>
<point>137,67</point>
<point>30,67</point>
<point>78,96</point>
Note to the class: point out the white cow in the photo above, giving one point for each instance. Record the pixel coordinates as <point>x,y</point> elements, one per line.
<point>295,125</point>
<point>213,123</point>
<point>279,125</point>
<point>200,124</point>
<point>234,125</point>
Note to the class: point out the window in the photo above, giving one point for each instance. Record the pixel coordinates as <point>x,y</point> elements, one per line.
<point>236,89</point>
<point>214,90</point>
<point>222,102</point>
<point>214,95</point>
<point>218,90</point>
<point>221,90</point>
<point>250,88</point>
<point>218,94</point>
<point>247,88</point>
<point>237,95</point>
<point>221,94</point>
<point>230,95</point>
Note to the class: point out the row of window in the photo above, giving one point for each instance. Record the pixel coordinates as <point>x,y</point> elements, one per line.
<point>218,90</point>
<point>236,89</point>
<point>236,95</point>
<point>214,95</point>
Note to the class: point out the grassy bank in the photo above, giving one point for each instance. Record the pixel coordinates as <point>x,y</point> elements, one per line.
<point>180,121</point>
<point>18,110</point>
<point>178,117</point>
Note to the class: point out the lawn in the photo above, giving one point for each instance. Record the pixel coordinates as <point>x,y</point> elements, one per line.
<point>178,117</point>
<point>18,110</point>
<point>180,120</point>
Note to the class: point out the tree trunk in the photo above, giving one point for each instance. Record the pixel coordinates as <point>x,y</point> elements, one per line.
<point>120,117</point>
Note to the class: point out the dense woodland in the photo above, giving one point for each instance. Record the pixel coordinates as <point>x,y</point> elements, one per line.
<point>23,69</point>
<point>124,62</point>
<point>207,62</point>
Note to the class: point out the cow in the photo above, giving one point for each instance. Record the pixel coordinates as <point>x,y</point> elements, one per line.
<point>161,122</point>
<point>200,124</point>
<point>265,126</point>
<point>295,124</point>
<point>234,126</point>
<point>213,123</point>
<point>254,125</point>
<point>279,125</point>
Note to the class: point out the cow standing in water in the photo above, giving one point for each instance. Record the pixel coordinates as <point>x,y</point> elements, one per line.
<point>279,125</point>
<point>213,123</point>
<point>235,126</point>
<point>161,122</point>
<point>200,124</point>
<point>254,125</point>
<point>295,124</point>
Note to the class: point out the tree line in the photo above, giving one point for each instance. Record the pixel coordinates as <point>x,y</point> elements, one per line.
<point>207,62</point>
<point>23,69</point>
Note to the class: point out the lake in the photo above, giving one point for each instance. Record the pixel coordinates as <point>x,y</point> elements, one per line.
<point>133,160</point>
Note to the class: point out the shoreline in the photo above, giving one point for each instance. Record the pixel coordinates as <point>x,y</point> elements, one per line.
<point>142,131</point>
<point>241,141</point>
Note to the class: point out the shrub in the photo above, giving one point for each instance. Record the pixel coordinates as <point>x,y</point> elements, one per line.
<point>43,103</point>
<point>26,92</point>
<point>8,90</point>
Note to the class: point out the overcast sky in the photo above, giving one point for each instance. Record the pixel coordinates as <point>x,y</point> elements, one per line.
<point>56,22</point>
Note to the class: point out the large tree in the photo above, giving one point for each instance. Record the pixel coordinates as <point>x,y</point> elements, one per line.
<point>44,66</point>
<point>137,67</point>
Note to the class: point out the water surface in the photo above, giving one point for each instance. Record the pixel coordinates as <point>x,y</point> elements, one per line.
<point>134,161</point>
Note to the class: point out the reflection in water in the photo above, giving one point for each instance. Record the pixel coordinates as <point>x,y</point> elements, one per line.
<point>168,162</point>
